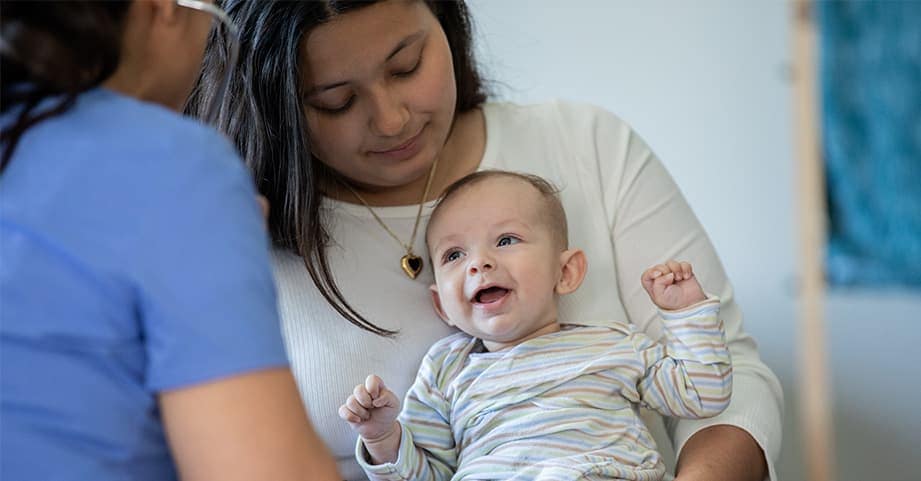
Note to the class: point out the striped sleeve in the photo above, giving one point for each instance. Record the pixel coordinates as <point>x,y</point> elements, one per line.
<point>689,372</point>
<point>427,450</point>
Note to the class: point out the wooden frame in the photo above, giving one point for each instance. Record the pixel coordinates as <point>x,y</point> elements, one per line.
<point>814,402</point>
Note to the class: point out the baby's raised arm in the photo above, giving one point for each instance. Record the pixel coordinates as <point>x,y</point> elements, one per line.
<point>372,411</point>
<point>692,377</point>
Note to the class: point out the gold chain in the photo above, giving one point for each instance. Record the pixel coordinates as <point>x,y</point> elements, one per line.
<point>425,193</point>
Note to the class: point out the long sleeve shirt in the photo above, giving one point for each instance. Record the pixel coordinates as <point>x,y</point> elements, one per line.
<point>560,406</point>
<point>623,210</point>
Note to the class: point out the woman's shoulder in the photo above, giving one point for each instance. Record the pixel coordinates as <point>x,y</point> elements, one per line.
<point>111,155</point>
<point>552,129</point>
<point>163,155</point>
<point>554,113</point>
<point>107,139</point>
<point>554,139</point>
<point>148,130</point>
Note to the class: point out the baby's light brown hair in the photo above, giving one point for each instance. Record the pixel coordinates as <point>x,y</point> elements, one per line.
<point>553,214</point>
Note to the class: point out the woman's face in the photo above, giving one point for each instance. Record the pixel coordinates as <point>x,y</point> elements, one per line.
<point>379,92</point>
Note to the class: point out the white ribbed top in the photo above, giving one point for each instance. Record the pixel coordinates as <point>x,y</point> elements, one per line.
<point>623,209</point>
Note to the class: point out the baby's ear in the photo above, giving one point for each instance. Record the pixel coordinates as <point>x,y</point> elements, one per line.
<point>573,267</point>
<point>436,303</point>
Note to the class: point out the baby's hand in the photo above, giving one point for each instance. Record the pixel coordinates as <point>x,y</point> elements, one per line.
<point>371,410</point>
<point>672,285</point>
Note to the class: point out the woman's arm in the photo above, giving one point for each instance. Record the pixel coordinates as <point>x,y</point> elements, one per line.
<point>245,427</point>
<point>721,453</point>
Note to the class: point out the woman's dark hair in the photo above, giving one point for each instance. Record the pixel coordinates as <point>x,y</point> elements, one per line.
<point>262,113</point>
<point>53,49</point>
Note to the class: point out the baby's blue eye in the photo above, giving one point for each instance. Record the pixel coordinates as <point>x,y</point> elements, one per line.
<point>452,256</point>
<point>507,240</point>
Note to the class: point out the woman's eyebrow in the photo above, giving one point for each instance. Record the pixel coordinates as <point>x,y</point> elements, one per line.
<point>323,88</point>
<point>405,42</point>
<point>409,40</point>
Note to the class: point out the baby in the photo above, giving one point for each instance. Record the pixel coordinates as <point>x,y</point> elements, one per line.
<point>521,394</point>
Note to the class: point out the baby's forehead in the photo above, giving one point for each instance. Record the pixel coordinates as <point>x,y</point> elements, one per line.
<point>498,191</point>
<point>492,195</point>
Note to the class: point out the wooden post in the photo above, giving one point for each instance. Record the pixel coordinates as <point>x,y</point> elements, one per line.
<point>814,402</point>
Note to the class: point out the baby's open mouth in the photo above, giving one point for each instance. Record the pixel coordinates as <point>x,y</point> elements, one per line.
<point>490,295</point>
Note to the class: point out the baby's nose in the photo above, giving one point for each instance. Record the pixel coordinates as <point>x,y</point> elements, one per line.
<point>480,265</point>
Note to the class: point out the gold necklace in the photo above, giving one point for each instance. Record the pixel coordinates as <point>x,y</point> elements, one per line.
<point>411,263</point>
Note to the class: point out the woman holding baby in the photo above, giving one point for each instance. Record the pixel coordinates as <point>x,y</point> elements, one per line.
<point>355,116</point>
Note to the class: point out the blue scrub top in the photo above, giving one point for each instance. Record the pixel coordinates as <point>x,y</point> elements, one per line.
<point>133,260</point>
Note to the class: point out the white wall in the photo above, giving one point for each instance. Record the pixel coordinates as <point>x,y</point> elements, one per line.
<point>707,85</point>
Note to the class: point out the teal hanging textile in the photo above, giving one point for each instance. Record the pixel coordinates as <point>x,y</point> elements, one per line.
<point>870,74</point>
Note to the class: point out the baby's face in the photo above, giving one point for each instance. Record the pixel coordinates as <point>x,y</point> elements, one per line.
<point>496,262</point>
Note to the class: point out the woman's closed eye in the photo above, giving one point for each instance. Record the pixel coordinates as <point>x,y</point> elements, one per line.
<point>507,240</point>
<point>408,72</point>
<point>336,110</point>
<point>344,107</point>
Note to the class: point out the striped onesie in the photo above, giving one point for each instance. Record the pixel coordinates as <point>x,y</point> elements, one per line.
<point>562,406</point>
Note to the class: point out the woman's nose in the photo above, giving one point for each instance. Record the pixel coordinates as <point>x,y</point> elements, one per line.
<point>389,113</point>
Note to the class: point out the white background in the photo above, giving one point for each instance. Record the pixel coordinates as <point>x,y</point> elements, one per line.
<point>707,84</point>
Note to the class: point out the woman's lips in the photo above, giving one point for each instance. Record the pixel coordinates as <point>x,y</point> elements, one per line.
<point>404,151</point>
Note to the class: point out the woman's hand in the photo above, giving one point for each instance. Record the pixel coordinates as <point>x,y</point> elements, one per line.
<point>372,411</point>
<point>672,285</point>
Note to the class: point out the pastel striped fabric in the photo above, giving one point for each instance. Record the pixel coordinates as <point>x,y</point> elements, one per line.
<point>563,406</point>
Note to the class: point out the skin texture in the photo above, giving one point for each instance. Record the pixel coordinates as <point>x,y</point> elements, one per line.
<point>665,286</point>
<point>721,453</point>
<point>164,71</point>
<point>395,86</point>
<point>354,48</point>
<point>245,427</point>
<point>494,233</point>
<point>250,426</point>
<point>483,239</point>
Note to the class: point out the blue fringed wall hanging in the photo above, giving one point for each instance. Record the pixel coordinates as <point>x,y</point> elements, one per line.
<point>870,74</point>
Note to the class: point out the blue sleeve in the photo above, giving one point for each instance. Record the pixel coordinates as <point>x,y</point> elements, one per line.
<point>207,295</point>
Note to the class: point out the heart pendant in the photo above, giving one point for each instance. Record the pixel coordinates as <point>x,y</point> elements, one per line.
<point>412,265</point>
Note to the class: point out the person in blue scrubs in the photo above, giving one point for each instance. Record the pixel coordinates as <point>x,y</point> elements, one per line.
<point>139,337</point>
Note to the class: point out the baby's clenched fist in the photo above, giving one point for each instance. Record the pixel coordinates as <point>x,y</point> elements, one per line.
<point>672,285</point>
<point>371,409</point>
